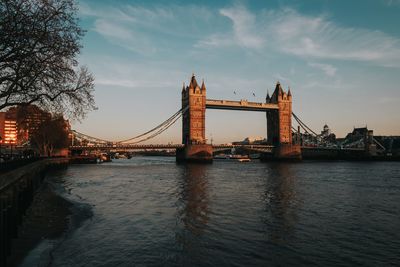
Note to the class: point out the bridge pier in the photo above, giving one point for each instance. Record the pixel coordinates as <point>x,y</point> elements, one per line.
<point>283,152</point>
<point>199,153</point>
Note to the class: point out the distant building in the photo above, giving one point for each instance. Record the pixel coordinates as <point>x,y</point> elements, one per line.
<point>359,133</point>
<point>326,131</point>
<point>360,138</point>
<point>251,140</point>
<point>18,123</point>
<point>327,135</point>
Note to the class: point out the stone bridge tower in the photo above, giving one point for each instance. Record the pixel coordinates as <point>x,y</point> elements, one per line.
<point>279,125</point>
<point>194,118</point>
<point>194,124</point>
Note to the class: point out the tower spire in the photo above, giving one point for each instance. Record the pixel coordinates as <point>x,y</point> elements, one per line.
<point>203,86</point>
<point>193,83</point>
<point>183,87</point>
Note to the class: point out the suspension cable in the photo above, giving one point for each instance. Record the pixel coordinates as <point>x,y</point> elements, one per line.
<point>302,124</point>
<point>90,137</point>
<point>157,127</point>
<point>161,130</point>
<point>154,131</point>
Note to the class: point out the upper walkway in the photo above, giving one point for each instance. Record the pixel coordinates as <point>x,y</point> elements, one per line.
<point>239,105</point>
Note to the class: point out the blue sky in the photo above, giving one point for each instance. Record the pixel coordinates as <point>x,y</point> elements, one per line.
<point>341,60</point>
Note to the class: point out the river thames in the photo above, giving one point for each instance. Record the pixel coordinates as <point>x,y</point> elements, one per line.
<point>152,212</point>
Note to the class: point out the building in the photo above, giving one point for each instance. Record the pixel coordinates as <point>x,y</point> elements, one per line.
<point>327,135</point>
<point>359,133</point>
<point>18,123</point>
<point>326,131</point>
<point>251,140</point>
<point>8,128</point>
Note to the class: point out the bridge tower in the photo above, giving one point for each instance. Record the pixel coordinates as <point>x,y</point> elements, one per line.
<point>193,124</point>
<point>193,120</point>
<point>279,125</point>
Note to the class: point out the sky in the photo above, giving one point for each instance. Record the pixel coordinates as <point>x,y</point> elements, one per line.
<point>340,58</point>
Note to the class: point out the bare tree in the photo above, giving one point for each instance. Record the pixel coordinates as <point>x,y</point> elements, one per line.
<point>51,134</point>
<point>39,45</point>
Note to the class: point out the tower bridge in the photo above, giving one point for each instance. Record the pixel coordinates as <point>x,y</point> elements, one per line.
<point>283,140</point>
<point>278,109</point>
<point>194,103</point>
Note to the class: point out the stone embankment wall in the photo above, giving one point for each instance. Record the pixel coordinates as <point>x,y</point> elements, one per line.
<point>17,189</point>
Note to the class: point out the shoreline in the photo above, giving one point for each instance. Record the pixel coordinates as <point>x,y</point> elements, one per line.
<point>47,219</point>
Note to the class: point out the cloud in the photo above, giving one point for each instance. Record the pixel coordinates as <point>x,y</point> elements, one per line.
<point>215,40</point>
<point>328,69</point>
<point>124,37</point>
<point>310,37</point>
<point>134,83</point>
<point>391,3</point>
<point>135,75</point>
<point>317,37</point>
<point>244,28</point>
<point>145,30</point>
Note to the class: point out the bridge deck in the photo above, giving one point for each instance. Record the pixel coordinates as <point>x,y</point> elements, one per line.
<point>115,147</point>
<point>239,105</point>
<point>142,147</point>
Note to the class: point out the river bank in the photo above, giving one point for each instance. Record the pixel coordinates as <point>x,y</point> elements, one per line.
<point>30,210</point>
<point>47,218</point>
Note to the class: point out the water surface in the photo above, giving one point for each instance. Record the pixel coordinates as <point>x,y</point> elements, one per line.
<point>152,212</point>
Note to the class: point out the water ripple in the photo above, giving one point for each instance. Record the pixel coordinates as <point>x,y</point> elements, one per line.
<point>152,212</point>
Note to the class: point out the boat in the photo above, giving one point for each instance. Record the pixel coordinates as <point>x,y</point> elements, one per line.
<point>223,156</point>
<point>239,158</point>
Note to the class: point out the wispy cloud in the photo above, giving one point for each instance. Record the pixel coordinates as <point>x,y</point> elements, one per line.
<point>133,84</point>
<point>328,69</point>
<point>133,75</point>
<point>311,37</point>
<point>215,40</point>
<point>391,3</point>
<point>125,37</point>
<point>140,29</point>
<point>244,28</point>
<point>317,37</point>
